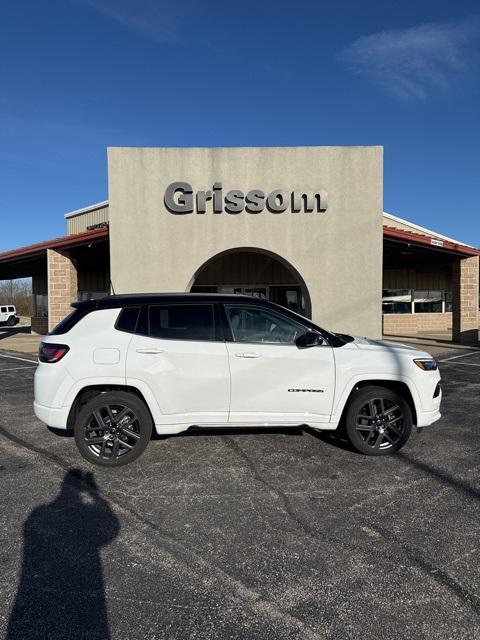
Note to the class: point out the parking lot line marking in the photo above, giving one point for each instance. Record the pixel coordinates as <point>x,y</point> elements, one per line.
<point>464,364</point>
<point>28,366</point>
<point>462,355</point>
<point>17,358</point>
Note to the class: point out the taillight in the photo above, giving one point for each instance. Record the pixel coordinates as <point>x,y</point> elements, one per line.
<point>48,352</point>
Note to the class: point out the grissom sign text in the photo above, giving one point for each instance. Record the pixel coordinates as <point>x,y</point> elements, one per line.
<point>181,199</point>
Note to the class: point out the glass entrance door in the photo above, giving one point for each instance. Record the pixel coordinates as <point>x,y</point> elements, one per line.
<point>289,296</point>
<point>286,296</point>
<point>256,292</point>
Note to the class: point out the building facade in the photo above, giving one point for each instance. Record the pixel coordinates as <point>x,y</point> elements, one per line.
<point>302,226</point>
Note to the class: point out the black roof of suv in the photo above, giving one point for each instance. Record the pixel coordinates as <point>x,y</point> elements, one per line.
<point>109,302</point>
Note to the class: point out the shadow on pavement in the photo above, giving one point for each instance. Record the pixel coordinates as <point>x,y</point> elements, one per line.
<point>8,332</point>
<point>61,592</point>
<point>440,475</point>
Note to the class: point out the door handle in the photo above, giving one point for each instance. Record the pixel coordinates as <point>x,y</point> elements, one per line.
<point>150,350</point>
<point>250,354</point>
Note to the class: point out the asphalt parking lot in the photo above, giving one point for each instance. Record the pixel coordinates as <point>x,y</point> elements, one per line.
<point>268,534</point>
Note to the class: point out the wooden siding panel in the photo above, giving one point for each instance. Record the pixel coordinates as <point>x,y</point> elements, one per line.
<point>418,280</point>
<point>244,268</point>
<point>93,281</point>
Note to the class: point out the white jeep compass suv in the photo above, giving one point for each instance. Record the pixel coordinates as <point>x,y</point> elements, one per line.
<point>117,367</point>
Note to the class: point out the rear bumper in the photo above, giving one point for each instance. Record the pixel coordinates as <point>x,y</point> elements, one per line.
<point>56,418</point>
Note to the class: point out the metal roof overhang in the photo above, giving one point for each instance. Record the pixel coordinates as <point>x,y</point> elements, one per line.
<point>31,260</point>
<point>429,242</point>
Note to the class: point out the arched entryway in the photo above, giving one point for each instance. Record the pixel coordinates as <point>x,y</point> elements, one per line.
<point>255,272</point>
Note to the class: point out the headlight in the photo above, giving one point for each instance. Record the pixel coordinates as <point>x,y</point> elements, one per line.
<point>427,364</point>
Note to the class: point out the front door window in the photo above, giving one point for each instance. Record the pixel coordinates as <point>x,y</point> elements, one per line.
<point>257,325</point>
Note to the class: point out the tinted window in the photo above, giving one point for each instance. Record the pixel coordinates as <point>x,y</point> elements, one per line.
<point>3,309</point>
<point>253,324</point>
<point>182,322</point>
<point>127,320</point>
<point>11,309</point>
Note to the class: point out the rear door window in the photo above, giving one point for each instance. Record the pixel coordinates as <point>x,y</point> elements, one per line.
<point>182,322</point>
<point>3,309</point>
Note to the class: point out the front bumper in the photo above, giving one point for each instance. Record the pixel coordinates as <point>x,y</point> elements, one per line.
<point>56,418</point>
<point>426,418</point>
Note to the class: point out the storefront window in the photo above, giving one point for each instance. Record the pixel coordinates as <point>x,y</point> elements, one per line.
<point>397,301</point>
<point>40,305</point>
<point>428,301</point>
<point>448,300</point>
<point>91,295</point>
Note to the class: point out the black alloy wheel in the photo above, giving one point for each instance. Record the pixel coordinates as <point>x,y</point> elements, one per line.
<point>113,429</point>
<point>378,421</point>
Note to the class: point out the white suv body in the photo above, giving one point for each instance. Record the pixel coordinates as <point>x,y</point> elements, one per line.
<point>212,360</point>
<point>8,315</point>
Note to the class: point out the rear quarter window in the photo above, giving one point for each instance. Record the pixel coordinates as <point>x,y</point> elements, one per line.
<point>127,320</point>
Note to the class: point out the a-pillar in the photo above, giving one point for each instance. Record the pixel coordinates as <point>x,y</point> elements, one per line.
<point>465,277</point>
<point>62,285</point>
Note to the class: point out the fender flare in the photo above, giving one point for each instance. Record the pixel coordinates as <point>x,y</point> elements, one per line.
<point>342,400</point>
<point>139,385</point>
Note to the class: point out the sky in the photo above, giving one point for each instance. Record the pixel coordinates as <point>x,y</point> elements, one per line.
<point>77,76</point>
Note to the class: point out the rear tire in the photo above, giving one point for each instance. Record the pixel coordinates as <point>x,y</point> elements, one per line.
<point>113,429</point>
<point>378,421</point>
<point>11,321</point>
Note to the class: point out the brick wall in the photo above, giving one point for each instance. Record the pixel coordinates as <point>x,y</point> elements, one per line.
<point>411,323</point>
<point>62,285</point>
<point>465,277</point>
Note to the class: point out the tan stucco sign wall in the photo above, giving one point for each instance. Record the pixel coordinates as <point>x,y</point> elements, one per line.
<point>337,250</point>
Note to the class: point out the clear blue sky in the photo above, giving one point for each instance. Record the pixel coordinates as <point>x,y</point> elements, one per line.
<point>80,75</point>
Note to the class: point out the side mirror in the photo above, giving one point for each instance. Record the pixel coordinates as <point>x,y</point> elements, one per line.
<point>308,339</point>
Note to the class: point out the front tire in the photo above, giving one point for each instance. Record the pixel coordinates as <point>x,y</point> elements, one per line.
<point>378,421</point>
<point>113,429</point>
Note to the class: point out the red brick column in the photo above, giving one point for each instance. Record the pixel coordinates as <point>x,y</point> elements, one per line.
<point>62,285</point>
<point>465,276</point>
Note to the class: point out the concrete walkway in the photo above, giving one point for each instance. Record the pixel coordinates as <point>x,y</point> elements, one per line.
<point>19,340</point>
<point>437,344</point>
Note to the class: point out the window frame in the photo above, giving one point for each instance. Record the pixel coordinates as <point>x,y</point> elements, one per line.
<point>441,301</point>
